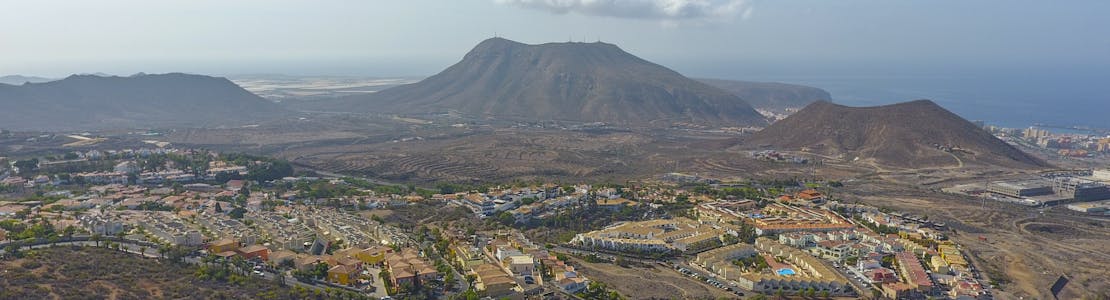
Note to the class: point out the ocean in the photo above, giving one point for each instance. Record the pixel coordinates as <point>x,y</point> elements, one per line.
<point>1017,98</point>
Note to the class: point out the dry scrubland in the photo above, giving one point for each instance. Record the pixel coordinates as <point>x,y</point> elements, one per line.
<point>1022,246</point>
<point>97,273</point>
<point>650,282</point>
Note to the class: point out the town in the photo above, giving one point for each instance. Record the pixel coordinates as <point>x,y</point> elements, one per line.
<point>777,238</point>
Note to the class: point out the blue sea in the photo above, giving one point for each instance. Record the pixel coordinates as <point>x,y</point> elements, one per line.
<point>1013,98</point>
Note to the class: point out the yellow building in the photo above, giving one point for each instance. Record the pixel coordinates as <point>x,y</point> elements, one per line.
<point>939,265</point>
<point>223,245</point>
<point>373,255</point>
<point>342,274</point>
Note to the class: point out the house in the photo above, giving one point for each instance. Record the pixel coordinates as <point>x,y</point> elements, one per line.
<point>406,267</point>
<point>304,263</point>
<point>493,280</point>
<point>127,167</point>
<point>342,274</point>
<point>235,184</point>
<point>521,265</point>
<point>282,257</point>
<point>572,285</point>
<point>881,275</point>
<point>810,195</point>
<point>254,251</point>
<point>223,245</point>
<point>900,290</point>
<point>373,255</point>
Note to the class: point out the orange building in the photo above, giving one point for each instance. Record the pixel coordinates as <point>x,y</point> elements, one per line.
<point>253,251</point>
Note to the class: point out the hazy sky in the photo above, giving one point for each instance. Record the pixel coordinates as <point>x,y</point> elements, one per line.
<point>420,37</point>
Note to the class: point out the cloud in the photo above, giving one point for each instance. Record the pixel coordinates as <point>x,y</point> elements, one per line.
<point>665,10</point>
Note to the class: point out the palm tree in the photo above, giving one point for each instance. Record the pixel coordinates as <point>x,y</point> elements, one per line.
<point>96,238</point>
<point>142,251</point>
<point>239,264</point>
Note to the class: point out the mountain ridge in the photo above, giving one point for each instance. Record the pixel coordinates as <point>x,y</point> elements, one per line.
<point>141,100</point>
<point>587,82</point>
<point>774,96</point>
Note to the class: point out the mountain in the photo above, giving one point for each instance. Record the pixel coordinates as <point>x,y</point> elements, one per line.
<point>772,96</point>
<point>587,82</point>
<point>910,134</point>
<point>96,102</point>
<point>20,79</point>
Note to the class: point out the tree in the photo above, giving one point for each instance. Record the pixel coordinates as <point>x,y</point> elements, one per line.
<point>237,213</point>
<point>96,238</point>
<point>27,165</point>
<point>218,208</point>
<point>506,218</point>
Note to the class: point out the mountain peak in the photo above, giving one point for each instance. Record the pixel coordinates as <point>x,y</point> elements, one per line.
<point>582,82</point>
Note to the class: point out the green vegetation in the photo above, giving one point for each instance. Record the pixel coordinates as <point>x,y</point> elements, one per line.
<point>261,168</point>
<point>755,263</point>
<point>881,229</point>
<point>36,230</point>
<point>599,291</point>
<point>318,271</point>
<point>27,166</point>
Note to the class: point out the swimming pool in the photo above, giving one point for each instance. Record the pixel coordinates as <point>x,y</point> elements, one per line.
<point>785,272</point>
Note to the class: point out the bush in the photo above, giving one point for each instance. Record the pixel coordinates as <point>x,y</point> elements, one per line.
<point>30,265</point>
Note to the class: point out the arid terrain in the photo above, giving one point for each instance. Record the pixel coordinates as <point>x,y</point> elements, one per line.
<point>1023,249</point>
<point>98,273</point>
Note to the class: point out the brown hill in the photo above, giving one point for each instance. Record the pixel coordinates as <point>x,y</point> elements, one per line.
<point>912,134</point>
<point>587,82</point>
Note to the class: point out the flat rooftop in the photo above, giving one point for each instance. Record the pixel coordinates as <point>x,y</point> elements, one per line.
<point>1023,184</point>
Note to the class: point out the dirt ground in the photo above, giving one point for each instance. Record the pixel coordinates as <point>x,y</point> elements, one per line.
<point>654,282</point>
<point>1024,249</point>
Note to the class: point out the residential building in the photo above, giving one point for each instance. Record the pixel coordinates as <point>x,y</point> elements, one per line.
<point>223,245</point>
<point>255,251</point>
<point>342,274</point>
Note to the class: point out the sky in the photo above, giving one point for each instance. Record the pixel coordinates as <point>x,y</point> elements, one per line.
<point>707,38</point>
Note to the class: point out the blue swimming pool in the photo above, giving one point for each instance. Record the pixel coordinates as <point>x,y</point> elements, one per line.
<point>785,272</point>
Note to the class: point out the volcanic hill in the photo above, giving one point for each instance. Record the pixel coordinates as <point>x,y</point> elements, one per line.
<point>585,82</point>
<point>915,134</point>
<point>86,102</point>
